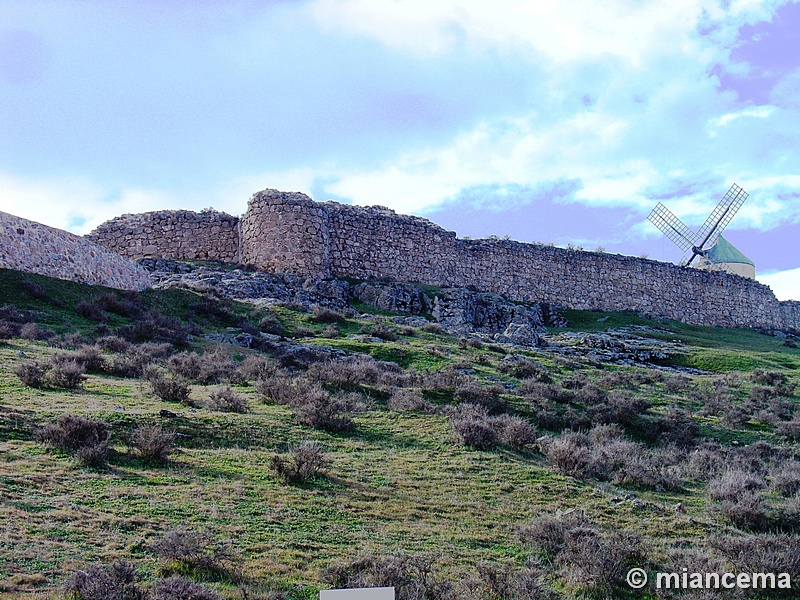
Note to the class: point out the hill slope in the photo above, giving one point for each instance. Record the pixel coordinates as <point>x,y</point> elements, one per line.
<point>452,467</point>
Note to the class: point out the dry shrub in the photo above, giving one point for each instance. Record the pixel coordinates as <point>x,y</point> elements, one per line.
<point>316,408</point>
<point>173,389</point>
<point>191,553</point>
<point>134,361</point>
<point>353,373</point>
<point>570,453</point>
<point>152,443</point>
<point>226,400</point>
<point>331,332</point>
<point>303,463</point>
<point>86,439</point>
<point>403,399</point>
<point>217,366</point>
<point>322,314</point>
<point>535,391</point>
<point>185,365</point>
<point>412,576</point>
<point>677,383</point>
<point>762,553</point>
<point>489,397</point>
<point>303,332</point>
<point>586,559</point>
<point>522,367</point>
<point>770,378</point>
<point>65,372</point>
<point>91,359</point>
<point>677,428</point>
<point>739,499</point>
<point>748,511</point>
<point>270,324</point>
<point>113,343</point>
<point>514,431</point>
<point>33,332</point>
<point>789,430</point>
<point>385,332</point>
<point>154,327</point>
<point>786,478</point>
<point>432,328</point>
<point>278,388</point>
<point>182,588</point>
<point>471,426</point>
<point>6,331</point>
<point>503,582</point>
<point>255,368</point>
<point>89,310</point>
<point>31,374</point>
<point>605,454</point>
<point>442,382</point>
<point>620,407</point>
<point>117,581</point>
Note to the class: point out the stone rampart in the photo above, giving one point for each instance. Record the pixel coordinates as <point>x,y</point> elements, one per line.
<point>285,232</point>
<point>178,234</point>
<point>35,248</point>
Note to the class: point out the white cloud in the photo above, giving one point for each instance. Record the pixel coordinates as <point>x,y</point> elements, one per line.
<point>785,284</point>
<point>560,31</point>
<point>74,204</point>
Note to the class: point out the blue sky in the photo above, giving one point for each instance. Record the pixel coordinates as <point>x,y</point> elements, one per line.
<point>547,121</point>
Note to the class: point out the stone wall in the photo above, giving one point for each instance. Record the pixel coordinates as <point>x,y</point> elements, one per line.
<point>35,248</point>
<point>284,232</point>
<point>179,234</point>
<point>330,239</point>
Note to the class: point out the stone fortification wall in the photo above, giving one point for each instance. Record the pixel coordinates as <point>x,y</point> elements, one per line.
<point>178,234</point>
<point>330,239</point>
<point>35,248</point>
<point>286,232</point>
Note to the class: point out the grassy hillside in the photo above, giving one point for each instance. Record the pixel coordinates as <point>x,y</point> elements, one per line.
<point>451,468</point>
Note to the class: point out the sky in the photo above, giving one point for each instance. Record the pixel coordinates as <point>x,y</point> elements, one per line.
<point>549,121</point>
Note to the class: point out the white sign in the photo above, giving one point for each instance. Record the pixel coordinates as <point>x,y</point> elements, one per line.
<point>384,593</point>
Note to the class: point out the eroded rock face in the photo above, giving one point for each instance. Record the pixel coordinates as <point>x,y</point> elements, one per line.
<point>462,312</point>
<point>625,345</point>
<point>397,297</point>
<point>254,286</point>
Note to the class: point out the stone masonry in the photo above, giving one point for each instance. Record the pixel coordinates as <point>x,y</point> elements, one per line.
<point>178,234</point>
<point>35,248</point>
<point>290,233</point>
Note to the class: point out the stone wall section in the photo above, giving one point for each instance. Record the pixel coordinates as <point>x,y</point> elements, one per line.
<point>286,232</point>
<point>178,234</point>
<point>35,248</point>
<point>300,236</point>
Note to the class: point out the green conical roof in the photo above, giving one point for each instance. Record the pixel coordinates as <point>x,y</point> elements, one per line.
<point>725,252</point>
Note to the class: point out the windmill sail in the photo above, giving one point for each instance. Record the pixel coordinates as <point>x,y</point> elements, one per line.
<point>686,239</point>
<point>722,214</point>
<point>672,227</point>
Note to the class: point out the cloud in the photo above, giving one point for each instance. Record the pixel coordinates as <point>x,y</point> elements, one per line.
<point>559,31</point>
<point>785,284</point>
<point>75,204</point>
<point>626,104</point>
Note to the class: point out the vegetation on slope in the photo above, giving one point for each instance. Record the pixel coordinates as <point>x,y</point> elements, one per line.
<point>342,450</point>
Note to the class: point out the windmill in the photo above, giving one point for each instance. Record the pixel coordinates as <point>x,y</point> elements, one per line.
<point>703,242</point>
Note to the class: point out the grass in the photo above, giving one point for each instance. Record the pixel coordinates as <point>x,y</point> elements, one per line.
<point>397,483</point>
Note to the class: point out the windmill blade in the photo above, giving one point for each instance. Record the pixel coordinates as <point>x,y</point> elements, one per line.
<point>672,227</point>
<point>719,218</point>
